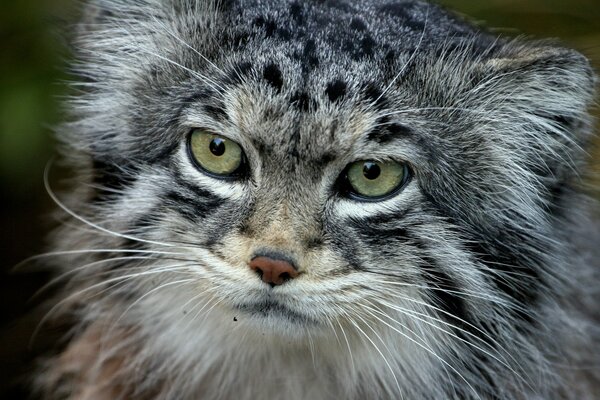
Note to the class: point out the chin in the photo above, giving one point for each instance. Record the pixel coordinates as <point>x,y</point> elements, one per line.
<point>270,316</point>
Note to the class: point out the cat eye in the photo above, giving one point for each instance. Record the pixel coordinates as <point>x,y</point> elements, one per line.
<point>375,180</point>
<point>215,154</point>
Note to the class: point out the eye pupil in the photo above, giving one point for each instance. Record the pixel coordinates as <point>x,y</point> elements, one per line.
<point>371,170</point>
<point>217,147</point>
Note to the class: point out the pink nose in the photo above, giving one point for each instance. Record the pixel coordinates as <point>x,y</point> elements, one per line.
<point>273,272</point>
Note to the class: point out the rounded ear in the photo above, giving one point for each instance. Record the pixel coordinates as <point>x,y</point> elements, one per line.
<point>94,14</point>
<point>549,82</point>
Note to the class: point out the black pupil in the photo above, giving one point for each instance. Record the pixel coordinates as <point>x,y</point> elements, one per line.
<point>217,147</point>
<point>371,170</point>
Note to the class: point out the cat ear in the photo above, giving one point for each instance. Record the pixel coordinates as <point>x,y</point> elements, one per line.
<point>95,14</point>
<point>554,86</point>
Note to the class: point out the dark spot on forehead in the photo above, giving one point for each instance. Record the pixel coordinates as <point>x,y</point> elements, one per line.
<point>272,75</point>
<point>297,13</point>
<point>358,24</point>
<point>374,95</point>
<point>310,56</point>
<point>301,100</point>
<point>325,159</point>
<point>268,25</point>
<point>390,57</point>
<point>259,21</point>
<point>293,149</point>
<point>404,11</point>
<point>367,47</point>
<point>335,90</point>
<point>284,33</point>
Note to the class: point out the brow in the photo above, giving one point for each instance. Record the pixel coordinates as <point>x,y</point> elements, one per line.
<point>385,131</point>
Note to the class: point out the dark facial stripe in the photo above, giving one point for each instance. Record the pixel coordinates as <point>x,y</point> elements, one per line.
<point>445,291</point>
<point>514,268</point>
<point>216,111</point>
<point>386,131</point>
<point>523,288</point>
<point>110,179</point>
<point>191,201</point>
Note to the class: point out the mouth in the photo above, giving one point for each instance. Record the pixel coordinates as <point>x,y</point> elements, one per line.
<point>272,309</point>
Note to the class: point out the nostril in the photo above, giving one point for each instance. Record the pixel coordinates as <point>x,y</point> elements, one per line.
<point>273,271</point>
<point>258,272</point>
<point>285,276</point>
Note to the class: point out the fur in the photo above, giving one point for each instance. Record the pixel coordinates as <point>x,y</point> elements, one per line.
<point>479,280</point>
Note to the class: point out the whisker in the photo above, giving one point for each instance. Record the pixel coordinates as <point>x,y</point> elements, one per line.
<point>422,346</point>
<point>197,314</point>
<point>461,293</point>
<point>380,353</point>
<point>118,280</point>
<point>348,346</point>
<point>411,58</point>
<point>64,275</point>
<point>150,292</point>
<point>183,42</point>
<point>211,83</point>
<point>416,314</point>
<point>87,222</point>
<point>484,334</point>
<point>87,251</point>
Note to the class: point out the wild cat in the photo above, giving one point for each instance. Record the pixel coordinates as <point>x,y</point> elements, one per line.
<point>323,200</point>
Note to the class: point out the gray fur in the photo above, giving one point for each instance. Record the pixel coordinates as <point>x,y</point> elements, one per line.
<point>478,281</point>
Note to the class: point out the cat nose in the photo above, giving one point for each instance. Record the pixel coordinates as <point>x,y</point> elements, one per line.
<point>273,271</point>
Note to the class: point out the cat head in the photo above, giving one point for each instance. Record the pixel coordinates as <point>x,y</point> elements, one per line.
<point>405,165</point>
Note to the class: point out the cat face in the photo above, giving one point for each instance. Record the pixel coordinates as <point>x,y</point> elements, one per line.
<point>219,135</point>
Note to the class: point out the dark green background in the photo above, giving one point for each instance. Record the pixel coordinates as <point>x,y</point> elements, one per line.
<point>33,54</point>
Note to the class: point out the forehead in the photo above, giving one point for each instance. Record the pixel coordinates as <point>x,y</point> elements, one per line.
<point>353,30</point>
<point>301,62</point>
<point>308,79</point>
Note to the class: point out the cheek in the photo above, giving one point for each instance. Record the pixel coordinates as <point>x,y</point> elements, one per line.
<point>234,248</point>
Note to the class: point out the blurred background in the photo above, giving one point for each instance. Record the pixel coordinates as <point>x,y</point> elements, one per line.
<point>34,52</point>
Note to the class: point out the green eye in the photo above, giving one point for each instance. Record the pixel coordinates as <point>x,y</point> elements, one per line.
<point>373,179</point>
<point>215,154</point>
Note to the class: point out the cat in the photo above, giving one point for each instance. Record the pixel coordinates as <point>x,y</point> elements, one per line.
<point>336,199</point>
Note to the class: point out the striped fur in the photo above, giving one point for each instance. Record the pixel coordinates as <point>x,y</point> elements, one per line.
<point>479,280</point>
